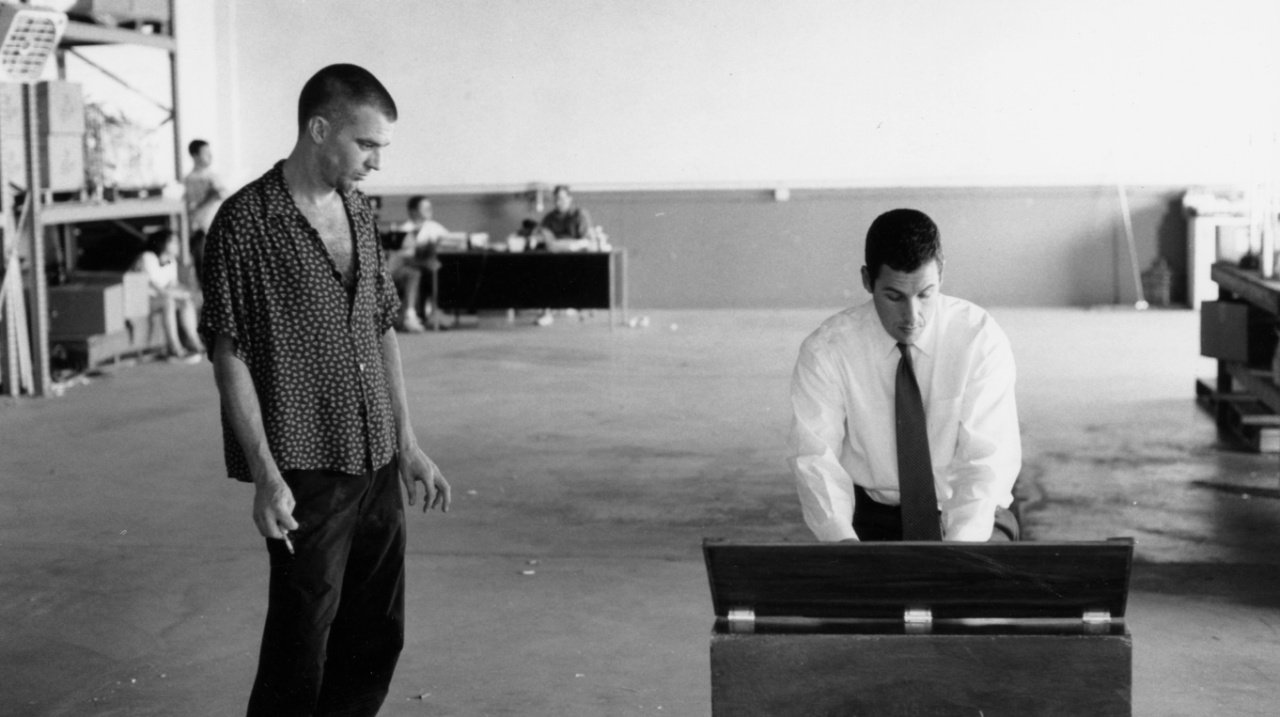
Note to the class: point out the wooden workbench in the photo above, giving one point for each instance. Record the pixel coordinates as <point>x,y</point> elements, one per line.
<point>1237,378</point>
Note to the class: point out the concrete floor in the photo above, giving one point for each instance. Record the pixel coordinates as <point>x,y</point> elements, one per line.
<point>133,581</point>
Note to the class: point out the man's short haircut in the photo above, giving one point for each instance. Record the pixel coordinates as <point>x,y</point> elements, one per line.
<point>415,201</point>
<point>342,88</point>
<point>561,188</point>
<point>156,240</point>
<point>903,240</point>
<point>196,145</point>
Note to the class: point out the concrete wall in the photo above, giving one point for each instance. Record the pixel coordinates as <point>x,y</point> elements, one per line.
<point>1010,122</point>
<point>1029,246</point>
<point>663,94</point>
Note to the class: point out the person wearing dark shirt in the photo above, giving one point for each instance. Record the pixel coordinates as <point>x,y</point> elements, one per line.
<point>300,312</point>
<point>566,221</point>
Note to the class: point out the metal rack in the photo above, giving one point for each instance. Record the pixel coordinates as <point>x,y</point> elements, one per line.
<point>41,215</point>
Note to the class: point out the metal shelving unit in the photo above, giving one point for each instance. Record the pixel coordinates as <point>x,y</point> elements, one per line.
<point>61,217</point>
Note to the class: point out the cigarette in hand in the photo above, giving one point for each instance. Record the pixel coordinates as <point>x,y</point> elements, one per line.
<point>288,543</point>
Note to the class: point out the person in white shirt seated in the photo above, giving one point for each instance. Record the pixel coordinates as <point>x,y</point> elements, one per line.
<point>410,266</point>
<point>175,302</point>
<point>905,424</point>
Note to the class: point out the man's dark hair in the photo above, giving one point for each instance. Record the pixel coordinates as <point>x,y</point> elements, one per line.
<point>156,240</point>
<point>196,145</point>
<point>342,87</point>
<point>903,240</point>
<point>561,188</point>
<point>415,201</point>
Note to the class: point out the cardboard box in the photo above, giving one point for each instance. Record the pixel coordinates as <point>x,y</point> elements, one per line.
<point>13,160</point>
<point>59,107</point>
<point>137,289</point>
<point>11,115</point>
<point>62,162</point>
<point>926,628</point>
<point>86,309</point>
<point>1236,331</point>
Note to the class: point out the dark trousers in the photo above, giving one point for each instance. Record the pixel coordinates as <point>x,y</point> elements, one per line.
<point>335,613</point>
<point>876,522</point>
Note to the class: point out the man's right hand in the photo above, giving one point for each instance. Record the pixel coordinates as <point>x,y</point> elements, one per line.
<point>273,507</point>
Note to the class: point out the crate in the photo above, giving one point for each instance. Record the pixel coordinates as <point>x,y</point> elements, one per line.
<point>85,309</point>
<point>136,288</point>
<point>1236,331</point>
<point>907,629</point>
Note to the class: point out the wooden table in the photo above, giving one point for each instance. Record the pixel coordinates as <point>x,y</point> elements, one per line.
<point>472,281</point>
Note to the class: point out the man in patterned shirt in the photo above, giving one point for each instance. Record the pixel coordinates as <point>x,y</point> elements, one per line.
<point>299,311</point>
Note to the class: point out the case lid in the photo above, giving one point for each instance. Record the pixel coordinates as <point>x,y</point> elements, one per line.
<point>953,580</point>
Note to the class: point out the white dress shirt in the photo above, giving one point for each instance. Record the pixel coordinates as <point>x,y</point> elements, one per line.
<point>419,235</point>
<point>843,432</point>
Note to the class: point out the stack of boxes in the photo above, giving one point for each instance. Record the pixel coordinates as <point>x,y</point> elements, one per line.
<point>60,132</point>
<point>13,141</point>
<point>95,303</point>
<point>60,124</point>
<point>91,304</point>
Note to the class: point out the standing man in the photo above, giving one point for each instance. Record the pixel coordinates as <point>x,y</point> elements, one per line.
<point>905,424</point>
<point>204,194</point>
<point>299,312</point>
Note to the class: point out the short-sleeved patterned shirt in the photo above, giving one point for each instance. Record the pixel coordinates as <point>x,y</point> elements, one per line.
<point>313,348</point>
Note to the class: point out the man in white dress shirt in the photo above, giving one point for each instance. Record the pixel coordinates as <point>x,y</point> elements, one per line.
<point>843,445</point>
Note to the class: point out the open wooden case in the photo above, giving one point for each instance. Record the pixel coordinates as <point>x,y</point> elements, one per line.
<point>920,628</point>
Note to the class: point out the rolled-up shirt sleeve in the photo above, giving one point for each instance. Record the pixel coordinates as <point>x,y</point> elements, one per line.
<point>817,434</point>
<point>988,452</point>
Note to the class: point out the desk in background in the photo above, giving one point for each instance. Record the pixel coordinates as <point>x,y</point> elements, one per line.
<point>473,281</point>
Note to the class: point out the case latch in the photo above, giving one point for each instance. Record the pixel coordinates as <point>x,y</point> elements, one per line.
<point>1097,621</point>
<point>917,620</point>
<point>742,619</point>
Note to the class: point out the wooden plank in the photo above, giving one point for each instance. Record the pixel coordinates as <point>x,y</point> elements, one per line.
<point>1258,384</point>
<point>137,338</point>
<point>73,212</point>
<point>84,33</point>
<point>911,676</point>
<point>954,580</point>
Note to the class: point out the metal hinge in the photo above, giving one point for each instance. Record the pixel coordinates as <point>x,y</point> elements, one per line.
<point>1097,621</point>
<point>742,619</point>
<point>917,620</point>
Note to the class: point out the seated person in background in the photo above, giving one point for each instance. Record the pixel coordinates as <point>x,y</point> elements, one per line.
<point>410,266</point>
<point>566,221</point>
<point>175,301</point>
<point>905,426</point>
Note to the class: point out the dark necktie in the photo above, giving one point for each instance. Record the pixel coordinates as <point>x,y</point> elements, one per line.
<point>915,468</point>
